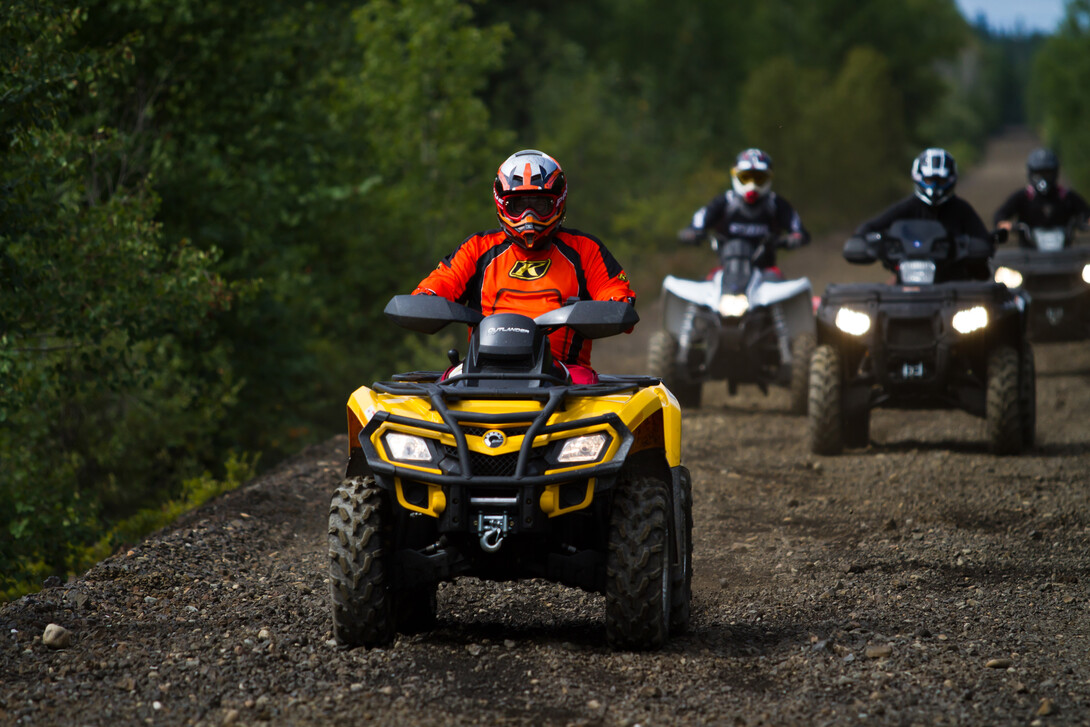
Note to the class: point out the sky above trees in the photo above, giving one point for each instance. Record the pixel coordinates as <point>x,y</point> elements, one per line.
<point>1030,15</point>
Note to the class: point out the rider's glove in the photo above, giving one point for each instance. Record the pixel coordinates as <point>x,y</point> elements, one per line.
<point>794,241</point>
<point>689,236</point>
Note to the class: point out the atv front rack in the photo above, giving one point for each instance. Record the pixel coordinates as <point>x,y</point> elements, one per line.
<point>553,398</point>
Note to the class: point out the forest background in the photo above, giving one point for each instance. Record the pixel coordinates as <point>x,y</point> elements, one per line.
<point>204,206</point>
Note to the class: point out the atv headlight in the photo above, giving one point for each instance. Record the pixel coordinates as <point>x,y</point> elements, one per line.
<point>1013,278</point>
<point>407,447</point>
<point>973,319</point>
<point>1086,273</point>
<point>586,448</point>
<point>852,321</point>
<point>733,306</point>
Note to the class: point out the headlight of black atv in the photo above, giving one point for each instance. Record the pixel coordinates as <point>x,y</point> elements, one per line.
<point>1086,273</point>
<point>852,322</point>
<point>1011,277</point>
<point>587,448</point>
<point>971,319</point>
<point>403,447</point>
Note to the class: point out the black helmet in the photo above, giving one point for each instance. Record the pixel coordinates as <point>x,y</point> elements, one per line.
<point>934,174</point>
<point>1042,168</point>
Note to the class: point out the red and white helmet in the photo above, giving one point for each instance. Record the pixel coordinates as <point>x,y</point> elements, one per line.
<point>531,195</point>
<point>751,175</point>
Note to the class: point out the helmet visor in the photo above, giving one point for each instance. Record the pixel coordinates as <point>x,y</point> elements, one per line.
<point>516,204</point>
<point>752,176</point>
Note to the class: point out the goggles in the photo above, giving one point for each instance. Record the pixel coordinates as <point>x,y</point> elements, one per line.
<point>936,181</point>
<point>516,205</point>
<point>752,176</point>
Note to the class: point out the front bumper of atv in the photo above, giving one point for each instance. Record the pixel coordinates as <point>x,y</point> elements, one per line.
<point>912,356</point>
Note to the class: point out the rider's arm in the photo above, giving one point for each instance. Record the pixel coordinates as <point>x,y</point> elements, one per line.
<point>606,279</point>
<point>788,220</point>
<point>1007,210</point>
<point>1079,207</point>
<point>972,225</point>
<point>451,275</point>
<point>902,210</point>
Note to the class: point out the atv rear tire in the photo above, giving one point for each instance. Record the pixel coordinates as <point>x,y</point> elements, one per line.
<point>1003,421</point>
<point>638,584</point>
<point>1027,397</point>
<point>826,421</point>
<point>681,589</point>
<point>358,575</point>
<point>662,363</point>
<point>802,349</point>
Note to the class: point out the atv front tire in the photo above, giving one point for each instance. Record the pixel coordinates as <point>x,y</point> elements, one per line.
<point>681,589</point>
<point>802,349</point>
<point>662,363</point>
<point>826,421</point>
<point>638,583</point>
<point>1027,397</point>
<point>1003,420</point>
<point>358,575</point>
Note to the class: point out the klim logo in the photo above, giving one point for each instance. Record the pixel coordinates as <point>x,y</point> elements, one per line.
<point>530,269</point>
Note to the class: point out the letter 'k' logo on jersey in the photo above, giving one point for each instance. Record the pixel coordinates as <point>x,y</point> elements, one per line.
<point>530,269</point>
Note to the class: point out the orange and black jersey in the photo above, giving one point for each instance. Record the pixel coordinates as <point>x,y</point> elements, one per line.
<point>491,273</point>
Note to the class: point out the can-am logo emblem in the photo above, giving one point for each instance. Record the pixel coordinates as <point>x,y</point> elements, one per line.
<point>494,438</point>
<point>506,329</point>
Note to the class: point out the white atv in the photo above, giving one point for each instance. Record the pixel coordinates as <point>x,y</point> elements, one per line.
<point>740,325</point>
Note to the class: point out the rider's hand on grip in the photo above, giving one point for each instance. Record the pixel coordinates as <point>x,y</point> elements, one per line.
<point>688,236</point>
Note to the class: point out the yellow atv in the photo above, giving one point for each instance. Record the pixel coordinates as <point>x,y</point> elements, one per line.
<point>504,470</point>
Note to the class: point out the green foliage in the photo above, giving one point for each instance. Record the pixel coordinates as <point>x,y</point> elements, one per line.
<point>1061,75</point>
<point>838,142</point>
<point>111,386</point>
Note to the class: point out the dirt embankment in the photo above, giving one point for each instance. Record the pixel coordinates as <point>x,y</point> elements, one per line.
<point>918,581</point>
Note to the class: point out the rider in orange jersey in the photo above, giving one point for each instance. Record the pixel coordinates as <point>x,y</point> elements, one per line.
<point>532,265</point>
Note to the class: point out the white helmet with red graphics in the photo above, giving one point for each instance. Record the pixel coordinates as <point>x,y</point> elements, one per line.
<point>530,193</point>
<point>751,175</point>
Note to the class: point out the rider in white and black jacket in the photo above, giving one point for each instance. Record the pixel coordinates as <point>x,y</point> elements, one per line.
<point>750,210</point>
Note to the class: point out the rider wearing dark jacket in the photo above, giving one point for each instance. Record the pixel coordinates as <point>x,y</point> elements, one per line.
<point>934,175</point>
<point>1043,202</point>
<point>750,210</point>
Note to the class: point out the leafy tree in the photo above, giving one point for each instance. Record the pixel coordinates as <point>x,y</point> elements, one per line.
<point>1061,73</point>
<point>110,383</point>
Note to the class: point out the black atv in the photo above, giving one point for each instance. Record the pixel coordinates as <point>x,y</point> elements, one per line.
<point>503,469</point>
<point>1053,276</point>
<point>928,341</point>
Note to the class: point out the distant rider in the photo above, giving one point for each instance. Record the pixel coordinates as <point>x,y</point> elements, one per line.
<point>750,210</point>
<point>1043,202</point>
<point>532,265</point>
<point>934,176</point>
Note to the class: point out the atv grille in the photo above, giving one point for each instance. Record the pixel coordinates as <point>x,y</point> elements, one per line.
<point>471,431</point>
<point>492,465</point>
<point>1054,286</point>
<point>910,332</point>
